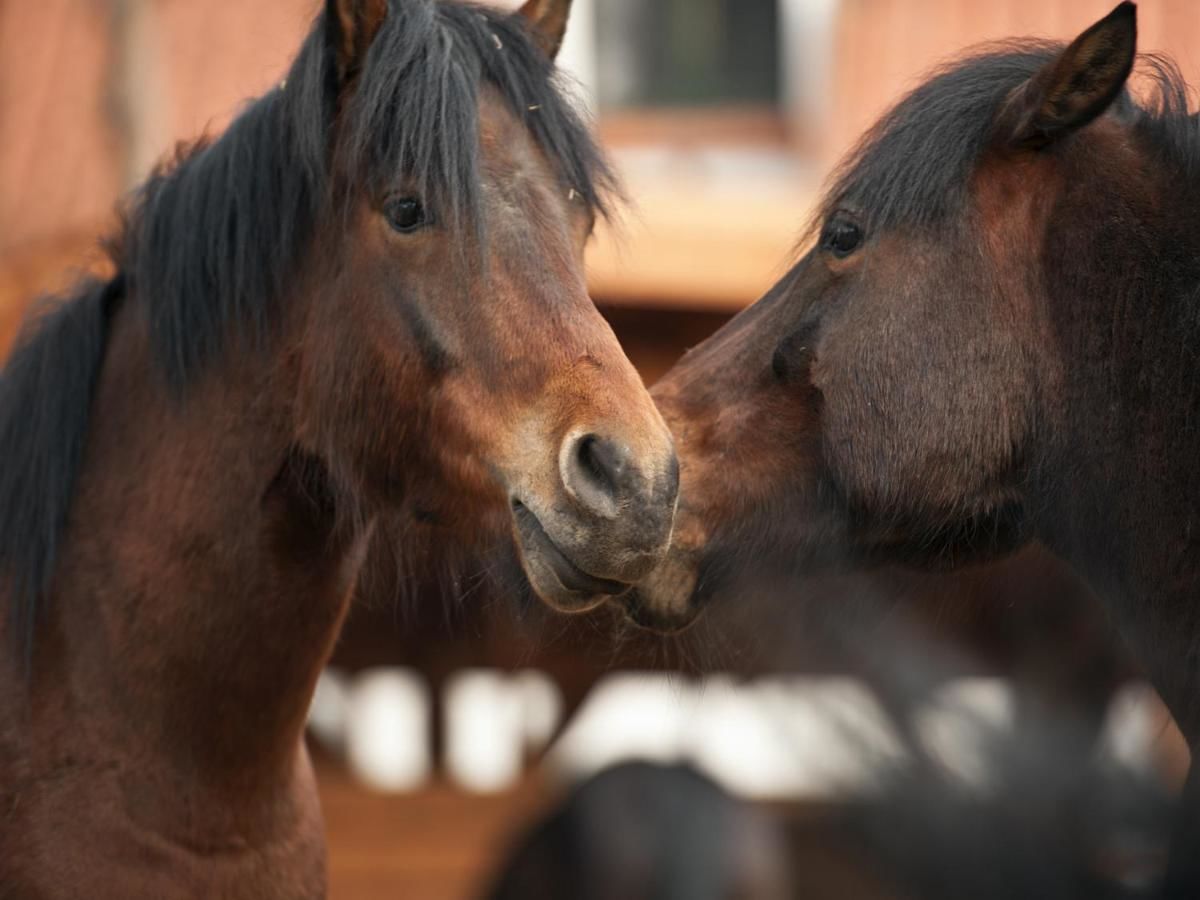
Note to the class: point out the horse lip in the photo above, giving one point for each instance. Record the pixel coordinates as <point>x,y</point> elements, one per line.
<point>573,578</point>
<point>641,617</point>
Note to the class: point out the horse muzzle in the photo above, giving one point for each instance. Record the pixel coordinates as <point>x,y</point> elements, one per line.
<point>606,525</point>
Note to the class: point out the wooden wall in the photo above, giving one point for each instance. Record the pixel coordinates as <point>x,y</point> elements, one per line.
<point>92,92</point>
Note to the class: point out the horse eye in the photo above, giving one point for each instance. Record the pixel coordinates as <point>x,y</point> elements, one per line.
<point>841,238</point>
<point>406,214</point>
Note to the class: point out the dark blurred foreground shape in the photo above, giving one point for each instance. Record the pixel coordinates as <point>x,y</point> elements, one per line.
<point>1040,827</point>
<point>642,831</point>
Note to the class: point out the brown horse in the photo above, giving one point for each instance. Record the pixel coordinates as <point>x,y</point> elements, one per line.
<point>366,296</point>
<point>991,341</point>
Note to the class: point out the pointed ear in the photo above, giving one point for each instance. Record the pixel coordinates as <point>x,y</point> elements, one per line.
<point>547,22</point>
<point>352,25</point>
<point>1078,86</point>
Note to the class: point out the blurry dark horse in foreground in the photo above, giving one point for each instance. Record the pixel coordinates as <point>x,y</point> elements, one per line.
<point>646,831</point>
<point>366,296</point>
<point>992,340</point>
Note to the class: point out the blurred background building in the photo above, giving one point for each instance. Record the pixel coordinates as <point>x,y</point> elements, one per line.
<point>723,116</point>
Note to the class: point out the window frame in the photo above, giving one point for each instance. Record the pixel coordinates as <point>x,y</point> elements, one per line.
<point>806,36</point>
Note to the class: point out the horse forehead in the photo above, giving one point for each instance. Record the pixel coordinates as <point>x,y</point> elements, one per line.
<point>515,172</point>
<point>1014,193</point>
<point>500,131</point>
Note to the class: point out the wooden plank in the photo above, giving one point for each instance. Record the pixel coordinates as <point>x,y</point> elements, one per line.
<point>434,843</point>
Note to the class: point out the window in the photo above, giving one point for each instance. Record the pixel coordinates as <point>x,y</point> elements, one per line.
<point>686,53</point>
<point>697,71</point>
<point>705,105</point>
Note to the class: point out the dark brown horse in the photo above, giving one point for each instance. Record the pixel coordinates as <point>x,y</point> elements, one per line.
<point>366,296</point>
<point>991,340</point>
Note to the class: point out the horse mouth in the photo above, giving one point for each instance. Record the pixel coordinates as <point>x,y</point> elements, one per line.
<point>667,600</point>
<point>568,587</point>
<point>642,616</point>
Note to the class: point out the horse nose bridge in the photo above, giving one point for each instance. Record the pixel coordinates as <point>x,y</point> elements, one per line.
<point>608,398</point>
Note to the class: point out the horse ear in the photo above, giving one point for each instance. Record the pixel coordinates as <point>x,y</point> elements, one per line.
<point>547,22</point>
<point>352,25</point>
<point>1078,86</point>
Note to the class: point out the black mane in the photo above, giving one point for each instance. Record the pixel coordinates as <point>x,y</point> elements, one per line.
<point>211,240</point>
<point>45,395</point>
<point>912,168</point>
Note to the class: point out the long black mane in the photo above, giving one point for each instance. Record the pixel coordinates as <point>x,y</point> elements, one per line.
<point>212,239</point>
<point>912,168</point>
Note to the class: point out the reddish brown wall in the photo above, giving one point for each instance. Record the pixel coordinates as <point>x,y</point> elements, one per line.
<point>59,166</point>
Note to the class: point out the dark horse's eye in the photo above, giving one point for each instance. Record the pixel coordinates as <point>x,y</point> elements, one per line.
<point>842,237</point>
<point>405,214</point>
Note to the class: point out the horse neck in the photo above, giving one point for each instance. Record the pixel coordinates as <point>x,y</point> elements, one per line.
<point>1121,476</point>
<point>203,580</point>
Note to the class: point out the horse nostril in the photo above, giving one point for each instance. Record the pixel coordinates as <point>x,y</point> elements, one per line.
<point>605,461</point>
<point>597,473</point>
